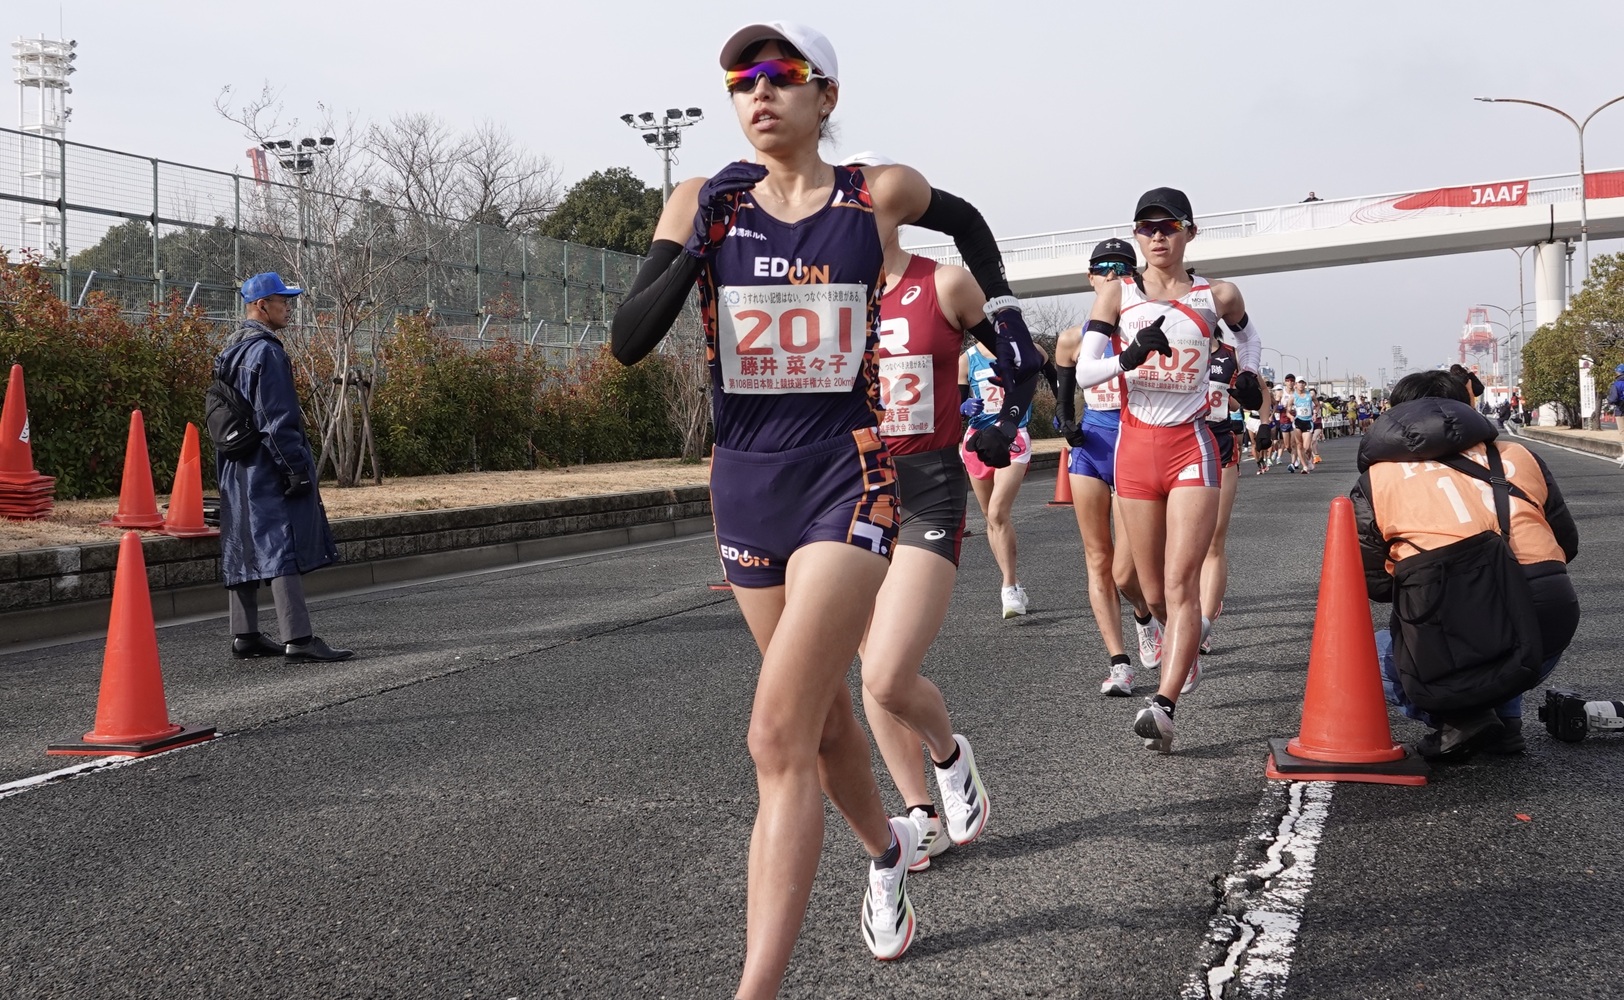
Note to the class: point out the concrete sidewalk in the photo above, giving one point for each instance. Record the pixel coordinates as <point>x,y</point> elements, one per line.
<point>1603,443</point>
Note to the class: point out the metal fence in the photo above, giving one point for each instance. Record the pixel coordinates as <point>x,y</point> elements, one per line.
<point>140,229</point>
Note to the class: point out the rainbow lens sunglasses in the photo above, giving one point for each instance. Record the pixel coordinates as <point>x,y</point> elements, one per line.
<point>1106,267</point>
<point>1160,227</point>
<point>779,72</point>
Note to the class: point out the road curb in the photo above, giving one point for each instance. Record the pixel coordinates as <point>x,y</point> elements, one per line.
<point>55,593</point>
<point>1574,442</point>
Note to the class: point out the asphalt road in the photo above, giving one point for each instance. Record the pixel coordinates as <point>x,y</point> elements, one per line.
<point>534,783</point>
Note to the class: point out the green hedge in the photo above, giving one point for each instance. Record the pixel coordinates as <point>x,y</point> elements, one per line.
<point>442,407</point>
<point>86,370</point>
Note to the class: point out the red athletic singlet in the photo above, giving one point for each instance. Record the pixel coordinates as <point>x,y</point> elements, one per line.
<point>919,365</point>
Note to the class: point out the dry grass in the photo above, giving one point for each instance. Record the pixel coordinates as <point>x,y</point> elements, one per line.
<point>75,522</point>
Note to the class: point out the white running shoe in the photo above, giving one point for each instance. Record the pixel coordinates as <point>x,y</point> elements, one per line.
<point>1205,648</point>
<point>933,839</point>
<point>1155,726</point>
<point>888,914</point>
<point>1150,644</point>
<point>1192,680</point>
<point>1120,683</point>
<point>1014,601</point>
<point>964,797</point>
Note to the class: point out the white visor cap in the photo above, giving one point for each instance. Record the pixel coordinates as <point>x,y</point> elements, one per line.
<point>867,158</point>
<point>809,41</point>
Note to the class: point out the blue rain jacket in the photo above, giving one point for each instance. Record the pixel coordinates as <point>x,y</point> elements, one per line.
<point>264,534</point>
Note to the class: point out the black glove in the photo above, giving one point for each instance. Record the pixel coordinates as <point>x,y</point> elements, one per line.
<point>1018,357</point>
<point>1247,390</point>
<point>1071,430</point>
<point>1150,339</point>
<point>718,203</point>
<point>992,443</point>
<point>298,484</point>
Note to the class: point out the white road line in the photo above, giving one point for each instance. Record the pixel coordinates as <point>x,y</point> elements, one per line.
<point>72,771</point>
<point>1261,908</point>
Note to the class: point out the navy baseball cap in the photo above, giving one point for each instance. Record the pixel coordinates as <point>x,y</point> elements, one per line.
<point>1170,200</point>
<point>262,286</point>
<point>1113,249</point>
<point>1619,370</point>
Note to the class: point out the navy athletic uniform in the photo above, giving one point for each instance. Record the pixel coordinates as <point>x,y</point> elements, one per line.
<point>791,315</point>
<point>1222,367</point>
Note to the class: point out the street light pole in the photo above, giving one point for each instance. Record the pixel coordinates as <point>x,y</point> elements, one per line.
<point>1584,213</point>
<point>664,135</point>
<point>299,159</point>
<point>1517,334</point>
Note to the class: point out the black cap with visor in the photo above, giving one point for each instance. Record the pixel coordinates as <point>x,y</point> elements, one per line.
<point>1170,200</point>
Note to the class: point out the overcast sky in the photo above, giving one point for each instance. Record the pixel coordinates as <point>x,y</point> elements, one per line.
<point>1045,115</point>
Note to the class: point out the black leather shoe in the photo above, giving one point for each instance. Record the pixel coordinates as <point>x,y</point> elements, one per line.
<point>260,645</point>
<point>1459,738</point>
<point>315,649</point>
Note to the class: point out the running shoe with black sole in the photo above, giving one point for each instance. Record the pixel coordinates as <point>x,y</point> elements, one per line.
<point>964,797</point>
<point>1155,726</point>
<point>888,915</point>
<point>1120,682</point>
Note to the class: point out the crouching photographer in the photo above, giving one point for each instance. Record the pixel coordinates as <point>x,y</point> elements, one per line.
<point>1469,539</point>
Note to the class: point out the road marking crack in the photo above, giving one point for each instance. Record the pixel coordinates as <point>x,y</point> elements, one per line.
<point>1258,905</point>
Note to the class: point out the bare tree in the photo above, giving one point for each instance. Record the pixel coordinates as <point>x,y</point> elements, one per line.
<point>686,388</point>
<point>358,262</point>
<point>1047,317</point>
<point>483,176</point>
<point>359,229</point>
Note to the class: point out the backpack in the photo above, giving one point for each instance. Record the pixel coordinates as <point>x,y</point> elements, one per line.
<point>1466,635</point>
<point>229,417</point>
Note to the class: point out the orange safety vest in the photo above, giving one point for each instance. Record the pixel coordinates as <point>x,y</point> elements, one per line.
<point>1424,505</point>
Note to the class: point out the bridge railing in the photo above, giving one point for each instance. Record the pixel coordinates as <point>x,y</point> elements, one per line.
<point>1303,216</point>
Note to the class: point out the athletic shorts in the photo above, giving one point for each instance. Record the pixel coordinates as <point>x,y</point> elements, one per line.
<point>1154,461</point>
<point>768,504</point>
<point>930,491</point>
<point>1229,453</point>
<point>1020,453</point>
<point>1303,425</point>
<point>1096,459</point>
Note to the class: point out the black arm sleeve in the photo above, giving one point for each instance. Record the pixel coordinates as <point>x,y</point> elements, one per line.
<point>985,334</point>
<point>661,287</point>
<point>1052,376</point>
<point>1557,514</point>
<point>952,216</point>
<point>1065,396</point>
<point>964,392</point>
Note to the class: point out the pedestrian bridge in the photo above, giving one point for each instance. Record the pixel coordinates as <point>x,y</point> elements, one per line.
<point>1462,219</point>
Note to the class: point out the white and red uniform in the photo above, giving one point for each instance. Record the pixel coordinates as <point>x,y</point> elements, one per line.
<point>918,365</point>
<point>1164,430</point>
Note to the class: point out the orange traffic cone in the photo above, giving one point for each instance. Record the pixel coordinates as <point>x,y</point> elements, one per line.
<point>137,505</point>
<point>131,716</point>
<point>1344,736</point>
<point>185,517</point>
<point>25,495</point>
<point>1062,480</point>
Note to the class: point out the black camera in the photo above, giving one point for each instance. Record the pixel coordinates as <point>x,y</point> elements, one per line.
<point>1564,716</point>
